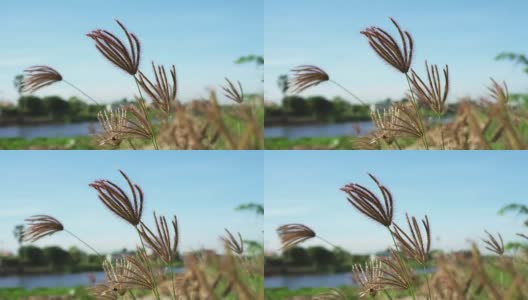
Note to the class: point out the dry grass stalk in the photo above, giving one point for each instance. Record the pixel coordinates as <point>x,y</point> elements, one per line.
<point>139,273</point>
<point>395,272</point>
<point>414,245</point>
<point>37,77</point>
<point>113,123</point>
<point>115,273</point>
<point>306,76</point>
<point>432,93</point>
<point>138,124</point>
<point>368,277</point>
<point>127,59</point>
<point>40,226</point>
<point>493,244</point>
<point>399,120</point>
<point>388,49</point>
<point>332,294</point>
<point>231,91</point>
<point>104,291</point>
<point>161,243</point>
<point>117,201</point>
<point>162,93</point>
<point>294,234</point>
<point>236,246</point>
<point>369,204</point>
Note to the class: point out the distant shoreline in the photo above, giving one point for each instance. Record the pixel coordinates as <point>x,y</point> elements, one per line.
<point>296,121</point>
<point>32,121</point>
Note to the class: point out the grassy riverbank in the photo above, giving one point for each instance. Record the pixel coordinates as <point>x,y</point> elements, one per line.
<point>338,143</point>
<point>79,293</point>
<point>57,143</point>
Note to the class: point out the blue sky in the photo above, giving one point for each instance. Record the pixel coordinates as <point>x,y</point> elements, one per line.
<point>460,191</point>
<point>201,38</point>
<point>466,35</point>
<point>202,188</point>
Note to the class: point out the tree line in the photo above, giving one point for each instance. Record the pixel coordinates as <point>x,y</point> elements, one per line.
<point>53,108</point>
<point>50,259</point>
<point>314,258</point>
<point>319,108</point>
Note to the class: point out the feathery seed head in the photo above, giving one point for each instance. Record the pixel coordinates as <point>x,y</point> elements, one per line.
<point>117,201</point>
<point>162,244</point>
<point>332,294</point>
<point>162,93</point>
<point>388,49</point>
<point>494,245</point>
<point>395,272</point>
<point>294,234</point>
<point>499,92</point>
<point>37,77</point>
<point>369,204</point>
<point>399,120</point>
<point>431,93</point>
<point>112,124</point>
<point>414,245</point>
<point>40,226</point>
<point>232,92</point>
<point>306,76</point>
<point>236,246</point>
<point>368,278</point>
<point>113,49</point>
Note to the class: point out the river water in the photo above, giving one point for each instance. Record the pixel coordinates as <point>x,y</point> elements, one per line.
<point>49,130</point>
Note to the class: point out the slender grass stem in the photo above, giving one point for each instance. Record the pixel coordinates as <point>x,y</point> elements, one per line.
<point>348,92</point>
<point>326,241</point>
<point>417,109</point>
<point>439,121</point>
<point>85,243</point>
<point>131,295</point>
<point>428,285</point>
<point>411,286</point>
<point>131,144</point>
<point>387,294</point>
<point>144,108</point>
<point>151,270</point>
<point>81,91</point>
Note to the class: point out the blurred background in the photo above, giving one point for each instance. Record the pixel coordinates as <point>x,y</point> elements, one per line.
<point>207,191</point>
<point>206,41</point>
<point>462,193</point>
<point>477,40</point>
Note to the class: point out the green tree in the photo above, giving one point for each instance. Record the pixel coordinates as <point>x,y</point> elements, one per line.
<point>32,105</point>
<point>321,108</point>
<point>76,106</point>
<point>18,83</point>
<point>56,256</point>
<point>519,209</point>
<point>17,232</point>
<point>297,256</point>
<point>31,255</point>
<point>296,105</point>
<point>322,257</point>
<point>283,84</point>
<point>258,60</point>
<point>516,58</point>
<point>56,106</point>
<point>254,207</point>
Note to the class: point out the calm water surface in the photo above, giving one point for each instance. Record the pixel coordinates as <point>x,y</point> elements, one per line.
<point>53,280</point>
<point>319,130</point>
<point>318,280</point>
<point>49,130</point>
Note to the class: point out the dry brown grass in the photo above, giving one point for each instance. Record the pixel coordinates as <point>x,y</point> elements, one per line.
<point>494,123</point>
<point>206,276</point>
<point>164,122</point>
